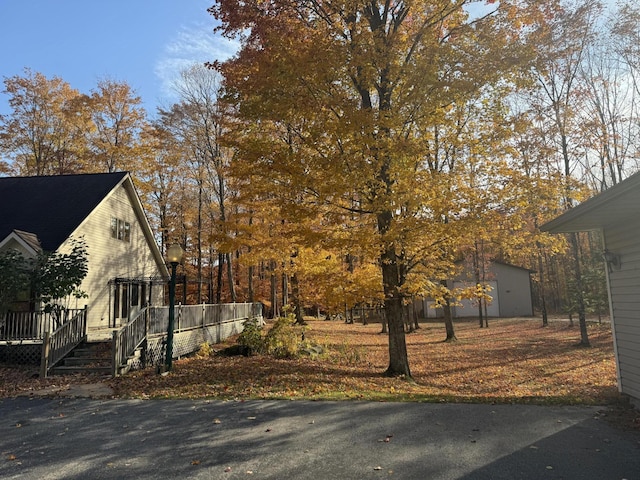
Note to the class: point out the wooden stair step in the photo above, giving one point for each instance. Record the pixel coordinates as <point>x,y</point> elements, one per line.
<point>79,361</point>
<point>64,370</point>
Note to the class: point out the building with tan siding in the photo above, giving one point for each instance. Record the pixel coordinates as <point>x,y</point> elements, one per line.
<point>126,268</point>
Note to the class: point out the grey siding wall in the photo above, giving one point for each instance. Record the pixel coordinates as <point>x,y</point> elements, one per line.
<point>469,308</point>
<point>625,298</point>
<point>514,290</point>
<point>110,258</point>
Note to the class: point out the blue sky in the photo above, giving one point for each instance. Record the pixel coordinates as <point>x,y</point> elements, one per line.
<point>145,43</point>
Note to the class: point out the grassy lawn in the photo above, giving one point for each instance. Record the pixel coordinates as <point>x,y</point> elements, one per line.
<point>515,360</point>
<point>512,361</point>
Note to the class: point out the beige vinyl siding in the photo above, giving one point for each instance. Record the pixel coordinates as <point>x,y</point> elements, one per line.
<point>625,295</point>
<point>110,257</point>
<point>14,244</point>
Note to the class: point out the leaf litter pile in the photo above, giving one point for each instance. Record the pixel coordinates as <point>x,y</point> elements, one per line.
<point>512,361</point>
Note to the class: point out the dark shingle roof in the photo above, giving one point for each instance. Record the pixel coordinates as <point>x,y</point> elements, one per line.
<point>51,207</point>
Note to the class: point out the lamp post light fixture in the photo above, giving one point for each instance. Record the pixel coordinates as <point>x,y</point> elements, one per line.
<point>174,257</point>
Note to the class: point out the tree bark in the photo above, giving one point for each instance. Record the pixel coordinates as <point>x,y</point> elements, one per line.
<point>582,316</point>
<point>448,318</point>
<point>543,301</point>
<point>285,290</point>
<point>219,278</point>
<point>232,285</point>
<point>385,328</point>
<point>297,304</point>
<point>398,358</point>
<point>274,291</point>
<point>250,291</point>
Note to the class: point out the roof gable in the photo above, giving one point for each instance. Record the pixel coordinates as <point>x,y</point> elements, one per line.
<point>52,207</point>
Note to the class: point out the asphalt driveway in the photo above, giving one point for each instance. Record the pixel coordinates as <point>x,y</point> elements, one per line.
<point>79,438</point>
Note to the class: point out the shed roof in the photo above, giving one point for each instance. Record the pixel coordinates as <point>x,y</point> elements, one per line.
<point>614,206</point>
<point>51,207</point>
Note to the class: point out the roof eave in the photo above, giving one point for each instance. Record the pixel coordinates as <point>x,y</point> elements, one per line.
<point>577,219</point>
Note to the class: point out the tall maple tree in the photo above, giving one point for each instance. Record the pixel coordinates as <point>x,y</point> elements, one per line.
<point>42,135</point>
<point>117,120</point>
<point>350,81</point>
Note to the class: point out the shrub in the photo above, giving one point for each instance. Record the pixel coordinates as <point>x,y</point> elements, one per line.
<point>205,350</point>
<point>349,354</point>
<point>283,340</point>
<point>251,336</point>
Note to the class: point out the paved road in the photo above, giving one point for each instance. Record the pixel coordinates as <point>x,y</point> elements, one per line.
<point>79,438</point>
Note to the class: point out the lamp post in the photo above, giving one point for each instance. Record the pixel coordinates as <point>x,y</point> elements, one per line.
<point>174,256</point>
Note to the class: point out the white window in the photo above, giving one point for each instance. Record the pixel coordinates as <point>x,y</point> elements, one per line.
<point>120,229</point>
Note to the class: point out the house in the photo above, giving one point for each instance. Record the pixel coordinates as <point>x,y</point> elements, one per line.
<point>615,213</point>
<point>510,292</point>
<point>126,270</point>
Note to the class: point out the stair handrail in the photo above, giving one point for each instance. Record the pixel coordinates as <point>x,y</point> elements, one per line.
<point>127,339</point>
<point>62,340</point>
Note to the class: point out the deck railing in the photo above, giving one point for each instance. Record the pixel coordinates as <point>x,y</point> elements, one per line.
<point>154,321</point>
<point>62,340</point>
<point>194,316</point>
<point>128,339</point>
<point>31,326</point>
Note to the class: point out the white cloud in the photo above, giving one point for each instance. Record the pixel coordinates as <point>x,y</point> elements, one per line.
<point>190,46</point>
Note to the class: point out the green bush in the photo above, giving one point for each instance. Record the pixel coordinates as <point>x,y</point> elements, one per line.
<point>283,340</point>
<point>251,336</point>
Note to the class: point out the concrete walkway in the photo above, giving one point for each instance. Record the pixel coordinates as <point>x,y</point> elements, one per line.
<point>80,438</point>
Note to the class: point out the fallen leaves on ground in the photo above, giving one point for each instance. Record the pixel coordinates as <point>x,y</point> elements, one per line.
<point>24,380</point>
<point>514,360</point>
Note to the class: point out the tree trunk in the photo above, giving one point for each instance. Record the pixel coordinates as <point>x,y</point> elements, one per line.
<point>210,276</point>
<point>274,291</point>
<point>448,323</point>
<point>483,302</point>
<point>232,285</point>
<point>285,290</point>
<point>385,328</point>
<point>582,316</point>
<point>219,278</point>
<point>250,291</point>
<point>543,301</point>
<point>476,270</point>
<point>398,359</point>
<point>297,304</point>
<point>416,323</point>
<point>448,318</point>
<point>199,245</point>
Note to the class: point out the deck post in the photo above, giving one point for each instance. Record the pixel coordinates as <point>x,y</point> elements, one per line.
<point>44,361</point>
<point>115,354</point>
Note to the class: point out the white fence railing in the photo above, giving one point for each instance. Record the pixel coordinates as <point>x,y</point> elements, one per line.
<point>189,319</point>
<point>60,342</point>
<point>194,316</point>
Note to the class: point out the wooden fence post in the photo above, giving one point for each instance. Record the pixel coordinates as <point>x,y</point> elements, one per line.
<point>115,354</point>
<point>44,361</point>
